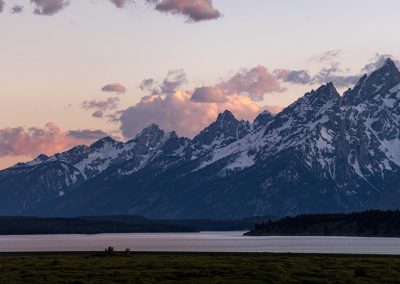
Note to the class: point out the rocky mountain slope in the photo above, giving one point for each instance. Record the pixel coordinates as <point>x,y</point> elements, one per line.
<point>323,153</point>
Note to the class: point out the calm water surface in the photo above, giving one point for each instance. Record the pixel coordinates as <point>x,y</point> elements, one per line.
<point>200,242</point>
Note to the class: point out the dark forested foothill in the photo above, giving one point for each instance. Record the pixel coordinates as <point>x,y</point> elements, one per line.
<point>116,224</point>
<point>86,225</point>
<point>372,223</point>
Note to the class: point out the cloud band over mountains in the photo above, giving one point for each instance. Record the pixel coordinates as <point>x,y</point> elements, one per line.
<point>49,139</point>
<point>169,105</point>
<point>187,112</point>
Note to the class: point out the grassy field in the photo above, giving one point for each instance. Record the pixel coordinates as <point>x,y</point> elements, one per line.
<point>196,268</point>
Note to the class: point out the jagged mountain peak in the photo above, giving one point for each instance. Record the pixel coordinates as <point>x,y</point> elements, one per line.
<point>379,82</point>
<point>104,141</point>
<point>387,74</point>
<point>152,130</point>
<point>38,160</point>
<point>389,63</point>
<point>262,119</point>
<point>108,139</point>
<point>226,116</point>
<point>42,157</point>
<point>149,137</point>
<point>316,101</point>
<point>226,119</point>
<point>225,130</point>
<point>326,92</point>
<point>171,135</point>
<point>265,112</point>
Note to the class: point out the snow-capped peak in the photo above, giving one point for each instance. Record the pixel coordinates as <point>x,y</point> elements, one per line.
<point>225,130</point>
<point>378,82</point>
<point>104,141</point>
<point>38,160</point>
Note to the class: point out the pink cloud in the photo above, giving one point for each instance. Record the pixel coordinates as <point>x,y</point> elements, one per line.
<point>48,140</point>
<point>194,10</point>
<point>98,114</point>
<point>49,7</point>
<point>119,3</point>
<point>274,108</point>
<point>174,80</point>
<point>17,9</point>
<point>100,107</point>
<point>209,95</point>
<point>115,88</point>
<point>188,112</point>
<point>326,56</point>
<point>179,113</point>
<point>254,83</point>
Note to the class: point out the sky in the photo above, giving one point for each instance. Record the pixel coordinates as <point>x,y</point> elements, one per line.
<point>73,71</point>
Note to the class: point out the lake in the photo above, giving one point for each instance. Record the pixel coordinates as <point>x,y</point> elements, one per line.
<point>200,242</point>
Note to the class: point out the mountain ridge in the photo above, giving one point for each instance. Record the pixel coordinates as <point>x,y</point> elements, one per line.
<point>323,153</point>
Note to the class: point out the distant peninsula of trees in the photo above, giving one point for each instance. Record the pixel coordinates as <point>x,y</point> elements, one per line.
<point>373,223</point>
<point>116,224</point>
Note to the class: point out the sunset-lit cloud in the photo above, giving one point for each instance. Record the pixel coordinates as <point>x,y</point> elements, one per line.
<point>331,73</point>
<point>48,140</point>
<point>99,107</point>
<point>98,114</point>
<point>17,9</point>
<point>188,112</point>
<point>193,10</point>
<point>179,113</point>
<point>87,134</point>
<point>326,56</point>
<point>120,3</point>
<point>325,75</point>
<point>49,7</point>
<point>254,83</point>
<point>301,77</point>
<point>274,109</point>
<point>115,88</point>
<point>174,80</point>
<point>209,95</point>
<point>377,61</point>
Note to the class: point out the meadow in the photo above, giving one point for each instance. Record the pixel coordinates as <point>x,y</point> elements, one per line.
<point>134,267</point>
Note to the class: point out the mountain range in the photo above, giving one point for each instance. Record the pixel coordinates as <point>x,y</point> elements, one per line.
<point>325,152</point>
